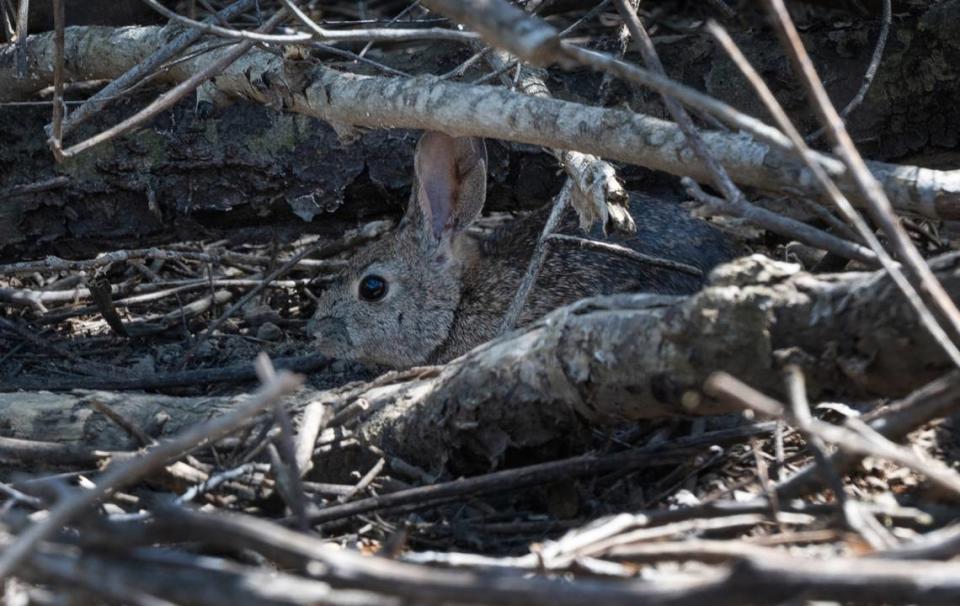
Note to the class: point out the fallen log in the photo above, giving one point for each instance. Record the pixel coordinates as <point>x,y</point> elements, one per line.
<point>599,362</point>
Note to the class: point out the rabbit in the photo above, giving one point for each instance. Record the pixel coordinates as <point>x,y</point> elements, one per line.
<point>431,290</point>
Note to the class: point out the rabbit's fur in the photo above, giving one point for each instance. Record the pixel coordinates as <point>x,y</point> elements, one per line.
<point>447,290</point>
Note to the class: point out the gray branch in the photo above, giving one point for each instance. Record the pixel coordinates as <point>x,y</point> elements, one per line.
<point>429,103</point>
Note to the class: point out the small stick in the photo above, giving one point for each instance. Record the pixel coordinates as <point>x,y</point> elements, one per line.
<point>533,475</point>
<point>23,16</point>
<point>316,415</point>
<point>284,461</point>
<point>771,221</point>
<point>463,67</point>
<point>560,204</point>
<point>36,187</point>
<point>9,17</point>
<point>27,298</point>
<point>100,292</point>
<point>871,72</point>
<point>319,34</point>
<point>213,482</point>
<point>183,378</point>
<point>121,421</point>
<point>28,452</point>
<point>396,18</point>
<point>364,482</point>
<point>149,65</point>
<point>56,139</point>
<point>857,441</point>
<point>288,483</point>
<point>172,96</point>
<point>629,253</point>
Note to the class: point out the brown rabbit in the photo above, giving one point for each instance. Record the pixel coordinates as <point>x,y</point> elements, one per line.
<point>430,291</point>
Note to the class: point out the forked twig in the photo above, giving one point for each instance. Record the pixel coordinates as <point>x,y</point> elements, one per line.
<point>171,97</point>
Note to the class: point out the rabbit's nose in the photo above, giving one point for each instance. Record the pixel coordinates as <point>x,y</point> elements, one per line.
<point>328,329</point>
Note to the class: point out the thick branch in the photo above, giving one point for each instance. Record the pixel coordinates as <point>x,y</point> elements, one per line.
<point>100,53</point>
<point>615,358</point>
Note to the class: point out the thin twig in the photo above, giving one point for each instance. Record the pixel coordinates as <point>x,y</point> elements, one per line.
<point>560,204</point>
<point>393,20</point>
<point>859,441</point>
<point>628,253</point>
<point>319,34</point>
<point>23,16</point>
<point>779,224</point>
<point>56,138</point>
<point>315,417</point>
<point>533,475</point>
<point>871,72</point>
<point>142,69</point>
<point>364,482</point>
<point>121,421</point>
<point>35,187</point>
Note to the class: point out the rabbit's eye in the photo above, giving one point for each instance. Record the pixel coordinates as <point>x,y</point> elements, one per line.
<point>372,288</point>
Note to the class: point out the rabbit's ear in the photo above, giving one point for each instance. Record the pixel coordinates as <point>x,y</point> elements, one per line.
<point>451,183</point>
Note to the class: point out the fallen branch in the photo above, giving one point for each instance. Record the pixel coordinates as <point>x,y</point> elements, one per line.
<point>648,357</point>
<point>457,109</point>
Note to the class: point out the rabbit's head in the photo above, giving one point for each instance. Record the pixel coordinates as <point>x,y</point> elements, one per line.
<point>396,301</point>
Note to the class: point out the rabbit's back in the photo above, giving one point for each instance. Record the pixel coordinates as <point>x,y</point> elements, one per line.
<point>664,230</point>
